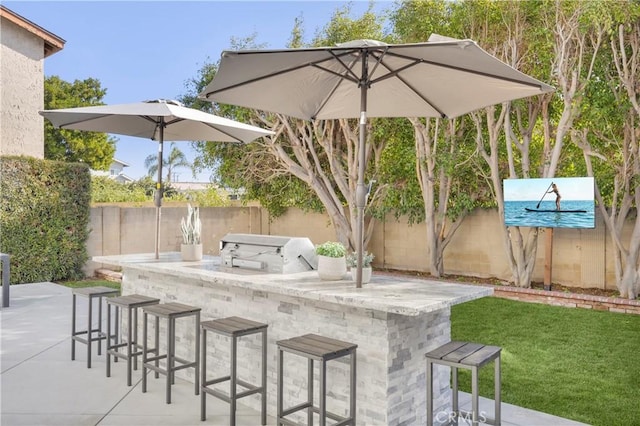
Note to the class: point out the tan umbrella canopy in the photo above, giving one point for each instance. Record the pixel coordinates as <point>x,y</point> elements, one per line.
<point>367,78</point>
<point>160,120</point>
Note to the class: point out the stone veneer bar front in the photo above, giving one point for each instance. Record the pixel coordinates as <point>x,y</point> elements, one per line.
<point>393,320</point>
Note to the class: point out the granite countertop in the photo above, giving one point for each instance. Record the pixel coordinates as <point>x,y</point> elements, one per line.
<point>399,295</point>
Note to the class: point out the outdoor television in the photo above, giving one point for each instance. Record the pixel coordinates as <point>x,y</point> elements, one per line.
<point>549,203</point>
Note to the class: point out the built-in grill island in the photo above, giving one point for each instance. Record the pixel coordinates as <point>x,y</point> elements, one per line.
<point>268,253</point>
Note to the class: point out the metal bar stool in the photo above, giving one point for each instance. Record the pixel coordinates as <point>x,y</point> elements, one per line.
<point>131,303</point>
<point>471,356</point>
<point>171,312</point>
<point>233,327</point>
<point>91,293</point>
<point>322,349</point>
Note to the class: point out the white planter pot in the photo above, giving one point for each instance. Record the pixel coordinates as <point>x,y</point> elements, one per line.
<point>191,252</point>
<point>366,274</point>
<point>332,268</point>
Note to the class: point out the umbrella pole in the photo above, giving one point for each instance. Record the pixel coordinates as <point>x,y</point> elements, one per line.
<point>361,192</point>
<point>158,195</point>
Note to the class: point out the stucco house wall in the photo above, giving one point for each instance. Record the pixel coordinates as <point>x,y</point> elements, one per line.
<point>23,48</point>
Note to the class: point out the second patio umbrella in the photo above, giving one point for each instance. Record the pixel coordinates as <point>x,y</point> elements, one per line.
<point>368,78</point>
<point>160,120</point>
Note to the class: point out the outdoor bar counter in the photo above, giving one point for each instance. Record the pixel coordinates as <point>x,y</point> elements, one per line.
<point>393,320</point>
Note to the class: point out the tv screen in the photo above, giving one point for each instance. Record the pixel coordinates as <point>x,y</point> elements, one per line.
<point>550,203</point>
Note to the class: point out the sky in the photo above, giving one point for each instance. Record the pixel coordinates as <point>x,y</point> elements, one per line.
<point>581,188</point>
<point>150,49</point>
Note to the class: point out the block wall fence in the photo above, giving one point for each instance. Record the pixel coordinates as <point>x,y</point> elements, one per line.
<point>581,257</point>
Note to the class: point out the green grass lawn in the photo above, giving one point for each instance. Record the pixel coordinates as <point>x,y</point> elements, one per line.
<point>574,363</point>
<point>90,283</point>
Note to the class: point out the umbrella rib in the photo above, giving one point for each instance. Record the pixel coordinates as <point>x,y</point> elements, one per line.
<point>236,140</point>
<point>157,123</point>
<point>378,62</point>
<point>421,96</point>
<point>396,74</point>
<point>266,76</point>
<point>352,77</point>
<point>467,70</point>
<point>71,123</point>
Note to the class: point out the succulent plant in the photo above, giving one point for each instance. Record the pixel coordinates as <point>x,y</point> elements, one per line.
<point>191,226</point>
<point>367,258</point>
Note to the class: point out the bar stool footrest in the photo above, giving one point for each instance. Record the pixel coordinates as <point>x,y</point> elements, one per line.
<point>305,405</point>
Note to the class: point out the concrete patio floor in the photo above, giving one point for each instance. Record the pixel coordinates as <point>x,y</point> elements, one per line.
<point>40,385</point>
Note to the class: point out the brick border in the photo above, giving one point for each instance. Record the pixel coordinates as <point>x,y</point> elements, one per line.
<point>569,300</point>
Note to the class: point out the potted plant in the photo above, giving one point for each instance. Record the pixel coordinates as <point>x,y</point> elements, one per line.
<point>191,226</point>
<point>352,262</point>
<point>332,263</point>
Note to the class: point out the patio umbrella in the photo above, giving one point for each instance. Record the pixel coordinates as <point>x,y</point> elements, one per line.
<point>444,77</point>
<point>160,120</point>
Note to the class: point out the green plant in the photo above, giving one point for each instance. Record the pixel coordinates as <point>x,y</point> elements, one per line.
<point>331,249</point>
<point>191,226</point>
<point>367,258</point>
<point>90,282</point>
<point>107,190</point>
<point>44,218</point>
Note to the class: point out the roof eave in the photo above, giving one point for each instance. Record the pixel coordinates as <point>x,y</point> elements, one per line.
<point>52,43</point>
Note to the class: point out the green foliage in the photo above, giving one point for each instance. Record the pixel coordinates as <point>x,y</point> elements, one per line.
<point>210,197</point>
<point>331,249</point>
<point>415,21</point>
<point>397,172</point>
<point>367,259</point>
<point>278,193</point>
<point>343,28</point>
<point>92,148</point>
<point>44,218</point>
<point>107,190</point>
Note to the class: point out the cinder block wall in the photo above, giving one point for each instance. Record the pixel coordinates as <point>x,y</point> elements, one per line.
<point>580,258</point>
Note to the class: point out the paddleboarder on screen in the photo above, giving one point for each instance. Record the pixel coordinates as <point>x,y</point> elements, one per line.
<point>554,189</point>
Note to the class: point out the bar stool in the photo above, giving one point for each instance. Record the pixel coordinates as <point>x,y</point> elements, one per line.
<point>233,327</point>
<point>131,303</point>
<point>91,293</point>
<point>471,356</point>
<point>171,312</point>
<point>322,349</point>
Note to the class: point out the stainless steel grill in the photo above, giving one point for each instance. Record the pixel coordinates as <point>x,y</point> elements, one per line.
<point>268,253</point>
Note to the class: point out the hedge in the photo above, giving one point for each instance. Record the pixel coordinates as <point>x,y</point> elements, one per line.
<point>44,218</point>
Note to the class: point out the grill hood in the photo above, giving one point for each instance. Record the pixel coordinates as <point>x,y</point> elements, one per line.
<point>268,253</point>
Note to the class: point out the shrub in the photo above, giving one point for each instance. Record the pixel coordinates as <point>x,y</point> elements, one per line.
<point>44,217</point>
<point>107,190</point>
